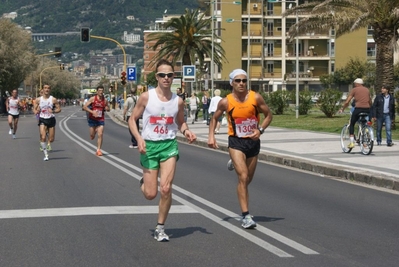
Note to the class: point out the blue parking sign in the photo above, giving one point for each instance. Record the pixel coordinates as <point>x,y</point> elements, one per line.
<point>189,73</point>
<point>131,73</point>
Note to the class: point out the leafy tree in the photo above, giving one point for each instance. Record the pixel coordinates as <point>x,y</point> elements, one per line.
<point>349,15</point>
<point>190,40</point>
<point>151,79</point>
<point>16,55</point>
<point>355,68</point>
<point>328,100</point>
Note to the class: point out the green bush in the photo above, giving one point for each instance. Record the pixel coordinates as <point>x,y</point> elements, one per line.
<point>277,101</point>
<point>329,101</point>
<point>305,101</point>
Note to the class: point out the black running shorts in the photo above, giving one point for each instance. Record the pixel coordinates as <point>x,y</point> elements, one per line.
<point>248,146</point>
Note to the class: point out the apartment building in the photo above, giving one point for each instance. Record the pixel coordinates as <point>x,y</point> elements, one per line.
<point>254,35</point>
<point>255,38</point>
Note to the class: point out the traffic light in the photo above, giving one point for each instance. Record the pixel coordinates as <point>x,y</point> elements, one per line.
<point>123,78</point>
<point>57,50</point>
<point>85,35</point>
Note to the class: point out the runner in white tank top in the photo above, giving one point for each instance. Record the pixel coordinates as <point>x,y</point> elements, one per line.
<point>163,116</point>
<point>12,107</point>
<point>45,107</point>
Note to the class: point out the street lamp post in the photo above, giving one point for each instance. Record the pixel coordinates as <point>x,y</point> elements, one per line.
<point>296,56</point>
<point>297,71</point>
<point>213,39</point>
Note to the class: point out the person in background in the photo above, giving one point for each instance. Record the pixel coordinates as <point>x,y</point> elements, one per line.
<point>96,116</point>
<point>205,106</point>
<point>243,108</point>
<point>46,105</point>
<point>213,107</point>
<point>383,111</point>
<point>193,103</point>
<point>163,116</point>
<point>12,106</point>
<point>363,103</point>
<point>131,102</point>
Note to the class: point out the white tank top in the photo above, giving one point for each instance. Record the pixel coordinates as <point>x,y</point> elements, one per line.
<point>45,105</point>
<point>159,118</point>
<point>13,106</point>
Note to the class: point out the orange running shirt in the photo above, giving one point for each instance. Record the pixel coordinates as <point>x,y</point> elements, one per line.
<point>242,117</point>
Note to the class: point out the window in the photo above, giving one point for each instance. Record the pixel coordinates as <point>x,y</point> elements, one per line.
<point>270,67</point>
<point>371,51</point>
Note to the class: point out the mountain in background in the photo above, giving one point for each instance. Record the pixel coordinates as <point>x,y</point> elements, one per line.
<point>106,18</point>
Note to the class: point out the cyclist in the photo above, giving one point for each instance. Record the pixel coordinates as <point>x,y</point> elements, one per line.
<point>362,105</point>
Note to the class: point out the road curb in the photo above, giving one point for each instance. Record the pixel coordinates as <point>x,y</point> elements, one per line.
<point>306,165</point>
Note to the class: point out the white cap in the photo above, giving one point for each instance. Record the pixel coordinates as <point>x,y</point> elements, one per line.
<point>359,81</point>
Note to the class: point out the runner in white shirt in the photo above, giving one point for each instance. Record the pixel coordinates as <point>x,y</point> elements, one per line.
<point>163,116</point>
<point>46,106</point>
<point>12,106</point>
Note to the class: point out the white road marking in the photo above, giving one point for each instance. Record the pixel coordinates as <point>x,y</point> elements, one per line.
<point>265,245</point>
<point>86,211</point>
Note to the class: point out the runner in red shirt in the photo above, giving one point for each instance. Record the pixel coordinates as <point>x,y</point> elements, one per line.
<point>96,107</point>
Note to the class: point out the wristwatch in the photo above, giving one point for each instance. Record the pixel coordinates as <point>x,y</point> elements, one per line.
<point>261,130</point>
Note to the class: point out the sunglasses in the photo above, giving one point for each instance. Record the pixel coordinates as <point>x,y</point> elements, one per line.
<point>163,75</point>
<point>241,80</point>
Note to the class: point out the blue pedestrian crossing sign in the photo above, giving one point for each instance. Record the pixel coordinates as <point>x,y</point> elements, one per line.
<point>131,74</point>
<point>189,73</point>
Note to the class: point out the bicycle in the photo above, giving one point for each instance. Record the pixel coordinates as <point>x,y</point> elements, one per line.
<point>364,136</point>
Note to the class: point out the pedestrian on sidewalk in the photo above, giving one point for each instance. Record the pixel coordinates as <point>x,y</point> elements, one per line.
<point>383,111</point>
<point>243,108</point>
<point>213,107</point>
<point>363,103</point>
<point>194,101</point>
<point>131,102</point>
<point>163,116</point>
<point>96,116</point>
<point>46,105</point>
<point>13,104</point>
<point>205,106</point>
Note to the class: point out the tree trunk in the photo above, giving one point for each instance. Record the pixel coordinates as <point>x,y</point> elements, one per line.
<point>384,58</point>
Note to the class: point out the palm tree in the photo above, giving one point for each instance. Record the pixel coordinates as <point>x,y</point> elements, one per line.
<point>349,15</point>
<point>189,39</point>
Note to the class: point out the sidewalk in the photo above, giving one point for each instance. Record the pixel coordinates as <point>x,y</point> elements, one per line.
<point>313,151</point>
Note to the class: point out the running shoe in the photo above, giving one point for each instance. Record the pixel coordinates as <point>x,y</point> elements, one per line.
<point>98,153</point>
<point>230,165</point>
<point>13,136</point>
<point>133,146</point>
<point>141,181</point>
<point>248,223</point>
<point>49,147</point>
<point>40,146</point>
<point>45,158</point>
<point>351,145</point>
<point>10,131</point>
<point>159,235</point>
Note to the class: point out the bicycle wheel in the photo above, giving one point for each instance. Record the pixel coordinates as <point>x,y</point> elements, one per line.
<point>345,139</point>
<point>367,140</point>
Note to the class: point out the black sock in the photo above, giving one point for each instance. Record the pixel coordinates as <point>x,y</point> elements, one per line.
<point>245,213</point>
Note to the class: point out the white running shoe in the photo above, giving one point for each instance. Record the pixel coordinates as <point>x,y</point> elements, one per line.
<point>45,158</point>
<point>248,223</point>
<point>13,136</point>
<point>230,165</point>
<point>159,235</point>
<point>10,131</point>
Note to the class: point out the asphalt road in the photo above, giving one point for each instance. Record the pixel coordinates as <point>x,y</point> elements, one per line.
<point>81,210</point>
